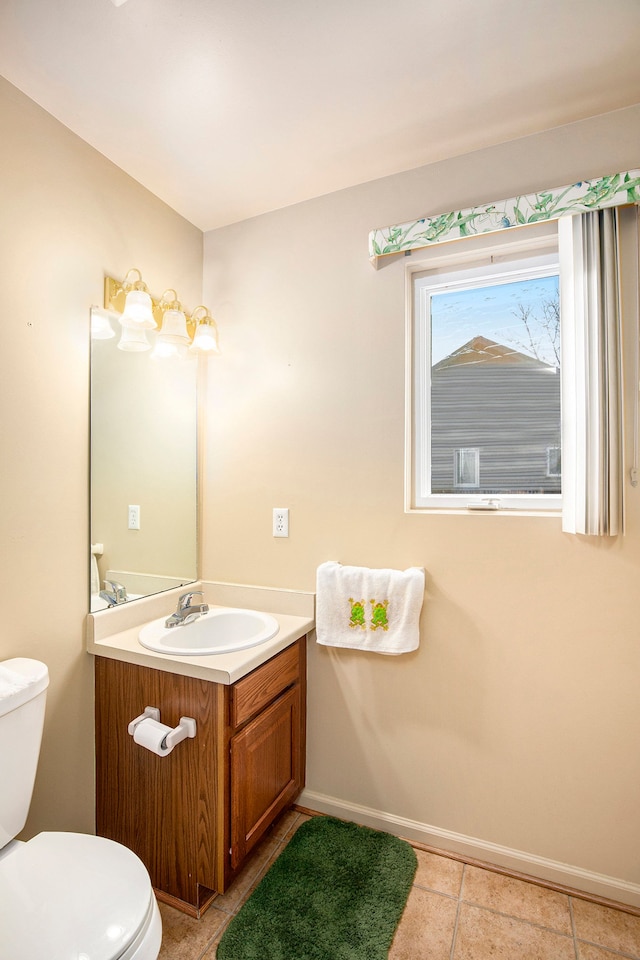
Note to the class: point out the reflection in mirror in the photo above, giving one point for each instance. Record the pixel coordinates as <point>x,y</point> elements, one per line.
<point>143,471</point>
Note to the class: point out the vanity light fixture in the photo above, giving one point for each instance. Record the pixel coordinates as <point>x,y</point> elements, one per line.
<point>205,338</point>
<point>138,308</point>
<point>131,299</point>
<point>172,339</point>
<point>178,335</point>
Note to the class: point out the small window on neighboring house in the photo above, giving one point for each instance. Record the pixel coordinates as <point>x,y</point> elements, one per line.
<point>554,462</point>
<point>485,386</point>
<point>466,467</point>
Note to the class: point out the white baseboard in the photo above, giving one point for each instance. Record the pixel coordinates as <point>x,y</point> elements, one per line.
<point>539,867</point>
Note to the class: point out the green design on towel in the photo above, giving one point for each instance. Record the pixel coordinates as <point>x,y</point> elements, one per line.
<point>379,614</point>
<point>357,613</point>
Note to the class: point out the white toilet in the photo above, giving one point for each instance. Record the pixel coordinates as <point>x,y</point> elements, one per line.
<point>63,896</point>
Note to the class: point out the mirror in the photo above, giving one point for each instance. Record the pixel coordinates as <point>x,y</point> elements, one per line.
<point>143,470</point>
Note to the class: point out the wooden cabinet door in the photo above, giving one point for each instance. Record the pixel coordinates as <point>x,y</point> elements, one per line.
<point>165,809</point>
<point>266,771</point>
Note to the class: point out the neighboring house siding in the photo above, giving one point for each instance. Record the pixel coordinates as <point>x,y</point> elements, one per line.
<point>510,412</point>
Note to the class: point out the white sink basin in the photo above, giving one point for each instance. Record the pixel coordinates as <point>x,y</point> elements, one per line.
<point>221,630</point>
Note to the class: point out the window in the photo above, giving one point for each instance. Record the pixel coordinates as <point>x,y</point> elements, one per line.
<point>554,460</point>
<point>466,467</point>
<point>485,380</point>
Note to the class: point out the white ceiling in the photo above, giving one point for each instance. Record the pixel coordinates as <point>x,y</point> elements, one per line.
<point>229,108</point>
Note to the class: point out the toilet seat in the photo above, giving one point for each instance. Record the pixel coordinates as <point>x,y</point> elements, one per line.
<point>70,895</point>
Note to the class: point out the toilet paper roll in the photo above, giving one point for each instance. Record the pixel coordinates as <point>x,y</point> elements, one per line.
<point>150,734</point>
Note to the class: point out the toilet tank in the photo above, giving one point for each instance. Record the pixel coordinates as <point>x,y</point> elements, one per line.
<point>23,691</point>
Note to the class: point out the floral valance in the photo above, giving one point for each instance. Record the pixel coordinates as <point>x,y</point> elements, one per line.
<point>611,191</point>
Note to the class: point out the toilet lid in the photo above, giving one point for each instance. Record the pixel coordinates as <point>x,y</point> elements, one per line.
<point>70,895</point>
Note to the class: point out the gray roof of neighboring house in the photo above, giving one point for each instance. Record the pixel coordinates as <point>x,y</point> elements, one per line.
<point>480,350</point>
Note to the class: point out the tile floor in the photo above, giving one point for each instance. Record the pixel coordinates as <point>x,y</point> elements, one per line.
<point>455,911</point>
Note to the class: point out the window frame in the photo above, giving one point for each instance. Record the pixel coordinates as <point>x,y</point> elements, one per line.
<point>477,261</point>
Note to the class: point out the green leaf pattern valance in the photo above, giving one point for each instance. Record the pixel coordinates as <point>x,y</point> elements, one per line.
<point>611,191</point>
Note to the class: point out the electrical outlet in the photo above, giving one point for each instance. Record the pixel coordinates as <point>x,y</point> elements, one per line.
<point>134,516</point>
<point>281,521</point>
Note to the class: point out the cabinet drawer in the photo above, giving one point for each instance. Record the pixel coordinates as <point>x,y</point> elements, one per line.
<point>259,688</point>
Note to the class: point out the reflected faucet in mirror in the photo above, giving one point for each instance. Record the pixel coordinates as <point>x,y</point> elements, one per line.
<point>113,593</point>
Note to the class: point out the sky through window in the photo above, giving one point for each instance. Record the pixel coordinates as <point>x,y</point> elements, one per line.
<point>496,312</point>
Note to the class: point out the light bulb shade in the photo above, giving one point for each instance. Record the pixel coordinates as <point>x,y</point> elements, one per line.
<point>206,337</point>
<point>174,327</point>
<point>168,351</point>
<point>101,329</point>
<point>133,340</point>
<point>138,311</point>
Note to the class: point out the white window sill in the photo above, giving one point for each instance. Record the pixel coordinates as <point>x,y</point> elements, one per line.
<point>503,512</point>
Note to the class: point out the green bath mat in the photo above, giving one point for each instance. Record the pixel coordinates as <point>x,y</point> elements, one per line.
<point>336,892</point>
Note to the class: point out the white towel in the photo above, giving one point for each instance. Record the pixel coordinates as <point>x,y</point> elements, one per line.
<point>376,610</point>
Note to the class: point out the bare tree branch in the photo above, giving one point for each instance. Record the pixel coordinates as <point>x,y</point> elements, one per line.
<point>541,335</point>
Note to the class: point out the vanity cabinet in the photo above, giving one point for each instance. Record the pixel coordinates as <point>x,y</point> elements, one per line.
<point>195,815</point>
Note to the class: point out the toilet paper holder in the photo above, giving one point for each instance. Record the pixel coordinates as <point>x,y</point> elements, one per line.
<point>186,728</point>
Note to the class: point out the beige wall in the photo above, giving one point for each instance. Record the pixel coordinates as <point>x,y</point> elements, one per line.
<point>67,217</point>
<point>517,720</point>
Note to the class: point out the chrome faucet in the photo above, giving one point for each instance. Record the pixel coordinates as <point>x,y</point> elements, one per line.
<point>187,612</point>
<point>114,593</point>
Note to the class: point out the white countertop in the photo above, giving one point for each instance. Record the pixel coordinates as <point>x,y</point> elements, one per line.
<point>114,633</point>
